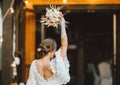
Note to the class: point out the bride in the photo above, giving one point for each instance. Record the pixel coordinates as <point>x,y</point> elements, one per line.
<point>48,70</point>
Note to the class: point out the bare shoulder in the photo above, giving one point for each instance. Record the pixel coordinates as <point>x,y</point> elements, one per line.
<point>39,67</point>
<point>38,63</point>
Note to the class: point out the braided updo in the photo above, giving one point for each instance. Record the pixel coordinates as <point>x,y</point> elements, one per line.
<point>46,46</point>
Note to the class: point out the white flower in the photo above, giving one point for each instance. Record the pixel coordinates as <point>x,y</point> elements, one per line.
<point>53,17</point>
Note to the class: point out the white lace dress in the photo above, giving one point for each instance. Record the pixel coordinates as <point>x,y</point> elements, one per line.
<point>60,70</point>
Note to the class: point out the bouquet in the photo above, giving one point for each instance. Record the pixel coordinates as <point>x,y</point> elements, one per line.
<point>53,17</point>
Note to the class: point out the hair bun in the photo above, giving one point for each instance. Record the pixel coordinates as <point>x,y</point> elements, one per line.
<point>45,47</point>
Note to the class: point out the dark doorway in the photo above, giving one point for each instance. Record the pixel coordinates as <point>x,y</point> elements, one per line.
<point>95,31</point>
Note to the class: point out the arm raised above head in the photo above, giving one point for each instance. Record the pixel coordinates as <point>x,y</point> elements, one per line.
<point>64,40</point>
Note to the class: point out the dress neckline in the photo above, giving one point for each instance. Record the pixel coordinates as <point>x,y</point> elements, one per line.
<point>41,75</point>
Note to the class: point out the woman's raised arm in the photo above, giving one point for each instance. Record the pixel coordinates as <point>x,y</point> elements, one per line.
<point>64,39</point>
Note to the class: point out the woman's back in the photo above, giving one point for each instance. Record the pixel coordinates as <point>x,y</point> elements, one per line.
<point>56,74</point>
<point>44,69</point>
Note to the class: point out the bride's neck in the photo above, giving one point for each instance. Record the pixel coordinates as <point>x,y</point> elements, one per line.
<point>46,58</point>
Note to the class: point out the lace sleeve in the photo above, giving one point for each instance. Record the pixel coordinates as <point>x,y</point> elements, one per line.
<point>62,68</point>
<point>31,79</point>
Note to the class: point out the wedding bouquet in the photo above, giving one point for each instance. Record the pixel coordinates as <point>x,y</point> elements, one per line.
<point>53,17</point>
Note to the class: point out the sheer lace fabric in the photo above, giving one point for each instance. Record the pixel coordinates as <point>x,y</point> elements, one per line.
<point>60,69</point>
